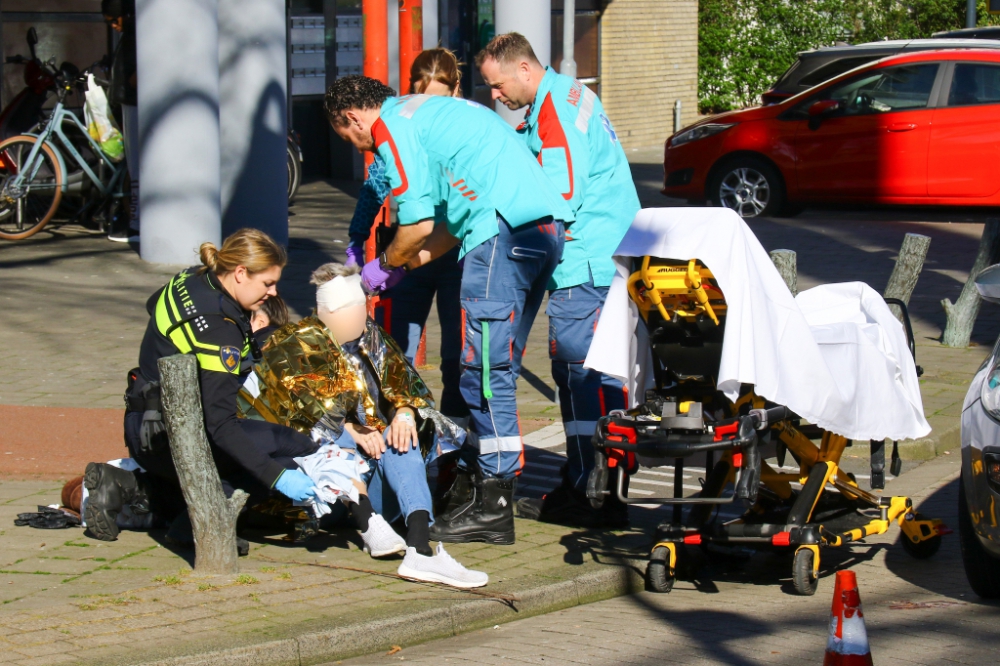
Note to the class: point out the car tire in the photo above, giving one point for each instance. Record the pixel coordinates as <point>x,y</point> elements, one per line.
<point>981,569</point>
<point>749,185</point>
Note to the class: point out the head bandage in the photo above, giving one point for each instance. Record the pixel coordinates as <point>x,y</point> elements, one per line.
<point>340,292</point>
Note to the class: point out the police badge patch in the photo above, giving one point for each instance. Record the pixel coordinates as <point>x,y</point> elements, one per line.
<point>230,357</point>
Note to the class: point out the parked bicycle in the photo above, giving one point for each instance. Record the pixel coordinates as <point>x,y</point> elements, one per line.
<point>37,170</point>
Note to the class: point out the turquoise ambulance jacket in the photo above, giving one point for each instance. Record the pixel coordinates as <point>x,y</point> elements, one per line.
<point>458,162</point>
<point>568,131</point>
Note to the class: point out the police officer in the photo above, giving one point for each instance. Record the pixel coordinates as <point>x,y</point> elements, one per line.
<point>204,311</point>
<point>434,72</point>
<point>457,162</point>
<point>566,128</point>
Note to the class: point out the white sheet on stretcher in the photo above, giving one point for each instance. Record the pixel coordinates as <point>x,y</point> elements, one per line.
<point>835,355</point>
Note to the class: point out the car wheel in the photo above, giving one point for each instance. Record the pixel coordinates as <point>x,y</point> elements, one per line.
<point>981,569</point>
<point>750,186</point>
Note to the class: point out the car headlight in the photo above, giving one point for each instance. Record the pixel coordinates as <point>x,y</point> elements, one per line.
<point>989,394</point>
<point>699,132</point>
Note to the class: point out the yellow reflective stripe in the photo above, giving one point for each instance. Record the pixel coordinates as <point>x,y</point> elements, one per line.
<point>214,363</point>
<point>163,321</point>
<point>177,337</point>
<point>170,298</point>
<point>195,341</point>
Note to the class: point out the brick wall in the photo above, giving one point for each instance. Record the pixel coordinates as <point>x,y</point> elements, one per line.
<point>649,59</point>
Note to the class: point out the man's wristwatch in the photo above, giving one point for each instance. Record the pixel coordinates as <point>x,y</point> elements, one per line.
<point>386,265</point>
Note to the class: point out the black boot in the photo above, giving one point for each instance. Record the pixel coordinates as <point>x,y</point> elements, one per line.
<point>488,517</point>
<point>461,492</point>
<point>109,490</point>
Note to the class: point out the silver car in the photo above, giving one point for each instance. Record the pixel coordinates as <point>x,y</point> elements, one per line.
<point>979,489</point>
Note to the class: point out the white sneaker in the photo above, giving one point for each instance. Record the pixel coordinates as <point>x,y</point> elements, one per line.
<point>441,568</point>
<point>380,539</point>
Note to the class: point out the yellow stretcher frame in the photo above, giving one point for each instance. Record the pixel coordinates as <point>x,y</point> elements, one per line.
<point>679,290</point>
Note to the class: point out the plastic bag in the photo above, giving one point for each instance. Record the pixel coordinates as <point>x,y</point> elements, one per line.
<point>100,124</point>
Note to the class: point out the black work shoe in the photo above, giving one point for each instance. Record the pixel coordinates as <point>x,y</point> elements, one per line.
<point>109,490</point>
<point>488,517</point>
<point>461,492</point>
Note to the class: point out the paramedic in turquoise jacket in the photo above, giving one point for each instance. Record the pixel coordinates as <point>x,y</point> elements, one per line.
<point>566,128</point>
<point>457,162</point>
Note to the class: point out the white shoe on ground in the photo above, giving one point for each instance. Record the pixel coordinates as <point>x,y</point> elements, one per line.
<point>380,539</point>
<point>440,568</point>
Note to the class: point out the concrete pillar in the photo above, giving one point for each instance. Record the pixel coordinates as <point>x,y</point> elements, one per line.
<point>430,24</point>
<point>178,71</point>
<point>253,80</point>
<point>568,64</point>
<point>533,19</point>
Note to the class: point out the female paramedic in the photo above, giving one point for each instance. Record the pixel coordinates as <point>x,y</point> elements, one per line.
<point>434,72</point>
<point>203,310</point>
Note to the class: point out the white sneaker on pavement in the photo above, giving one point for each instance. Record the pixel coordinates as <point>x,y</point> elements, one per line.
<point>380,539</point>
<point>439,568</point>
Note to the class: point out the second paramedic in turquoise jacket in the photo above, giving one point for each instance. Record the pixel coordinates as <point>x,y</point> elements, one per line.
<point>457,162</point>
<point>566,128</point>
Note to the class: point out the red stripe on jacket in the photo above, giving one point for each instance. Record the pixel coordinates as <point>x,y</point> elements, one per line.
<point>550,131</point>
<point>381,134</point>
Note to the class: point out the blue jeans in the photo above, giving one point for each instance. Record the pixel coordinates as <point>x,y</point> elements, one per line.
<point>503,286</point>
<point>584,395</point>
<point>397,482</point>
<point>407,306</point>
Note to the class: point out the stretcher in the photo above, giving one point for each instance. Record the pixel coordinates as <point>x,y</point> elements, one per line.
<point>684,311</point>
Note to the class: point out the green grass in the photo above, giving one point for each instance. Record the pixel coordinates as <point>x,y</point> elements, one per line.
<point>268,569</point>
<point>109,601</point>
<point>284,575</point>
<point>168,580</point>
<point>207,587</point>
<point>246,579</point>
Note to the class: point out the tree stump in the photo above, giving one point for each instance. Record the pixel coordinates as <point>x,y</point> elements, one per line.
<point>213,517</point>
<point>907,270</point>
<point>962,314</point>
<point>787,264</point>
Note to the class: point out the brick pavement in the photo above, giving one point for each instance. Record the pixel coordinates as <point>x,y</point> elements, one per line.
<point>917,612</point>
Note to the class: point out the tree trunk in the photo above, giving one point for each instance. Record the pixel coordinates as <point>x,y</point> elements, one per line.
<point>907,271</point>
<point>786,263</point>
<point>213,517</point>
<point>962,314</point>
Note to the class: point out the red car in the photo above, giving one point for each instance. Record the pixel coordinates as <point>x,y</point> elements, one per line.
<point>921,128</point>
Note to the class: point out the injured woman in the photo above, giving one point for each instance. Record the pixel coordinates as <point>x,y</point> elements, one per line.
<point>337,377</point>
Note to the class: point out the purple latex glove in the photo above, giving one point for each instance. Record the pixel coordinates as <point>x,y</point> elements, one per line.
<point>377,279</point>
<point>355,255</point>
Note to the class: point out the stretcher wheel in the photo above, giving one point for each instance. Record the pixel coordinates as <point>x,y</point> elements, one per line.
<point>922,549</point>
<point>802,573</point>
<point>659,577</point>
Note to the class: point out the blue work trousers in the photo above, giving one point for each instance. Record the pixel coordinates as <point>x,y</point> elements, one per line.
<point>584,395</point>
<point>503,286</point>
<point>406,308</point>
<point>397,483</point>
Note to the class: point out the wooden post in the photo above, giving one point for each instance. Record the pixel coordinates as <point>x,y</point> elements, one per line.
<point>962,314</point>
<point>907,270</point>
<point>787,264</point>
<point>213,517</point>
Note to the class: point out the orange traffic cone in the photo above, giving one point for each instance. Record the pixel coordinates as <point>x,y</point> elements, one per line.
<point>848,643</point>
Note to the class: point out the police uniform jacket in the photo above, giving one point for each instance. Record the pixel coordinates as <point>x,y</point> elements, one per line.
<point>193,314</point>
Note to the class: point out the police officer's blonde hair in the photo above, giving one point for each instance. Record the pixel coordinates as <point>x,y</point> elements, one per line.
<point>251,248</point>
<point>507,49</point>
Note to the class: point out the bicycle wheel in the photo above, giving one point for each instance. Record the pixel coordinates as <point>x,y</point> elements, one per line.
<point>23,212</point>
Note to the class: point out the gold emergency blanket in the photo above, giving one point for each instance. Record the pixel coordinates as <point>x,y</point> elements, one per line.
<point>305,378</point>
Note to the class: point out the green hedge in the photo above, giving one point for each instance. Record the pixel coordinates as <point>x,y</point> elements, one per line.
<point>745,45</point>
